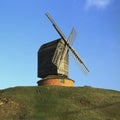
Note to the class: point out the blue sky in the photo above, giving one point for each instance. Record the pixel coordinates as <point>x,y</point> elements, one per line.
<point>24,28</point>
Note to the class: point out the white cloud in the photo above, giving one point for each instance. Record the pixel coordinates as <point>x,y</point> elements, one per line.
<point>101,4</point>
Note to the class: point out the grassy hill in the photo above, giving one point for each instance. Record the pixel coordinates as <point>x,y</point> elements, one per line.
<point>59,103</point>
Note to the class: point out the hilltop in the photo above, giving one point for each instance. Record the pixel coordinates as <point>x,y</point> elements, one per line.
<point>59,103</point>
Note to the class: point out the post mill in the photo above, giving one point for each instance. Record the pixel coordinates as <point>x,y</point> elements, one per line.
<point>53,59</point>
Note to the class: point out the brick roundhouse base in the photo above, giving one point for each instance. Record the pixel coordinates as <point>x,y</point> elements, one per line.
<point>56,82</point>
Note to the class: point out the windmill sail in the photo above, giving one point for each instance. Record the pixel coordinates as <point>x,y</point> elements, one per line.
<point>78,57</point>
<point>70,39</point>
<point>72,36</point>
<point>55,26</point>
<point>66,42</point>
<point>58,53</point>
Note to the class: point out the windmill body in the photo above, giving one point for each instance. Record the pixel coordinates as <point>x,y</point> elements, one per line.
<point>53,58</point>
<point>49,57</point>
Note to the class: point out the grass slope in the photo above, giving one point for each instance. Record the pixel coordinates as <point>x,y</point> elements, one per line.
<point>59,103</point>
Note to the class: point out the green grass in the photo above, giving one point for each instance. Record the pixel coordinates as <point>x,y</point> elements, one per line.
<point>59,103</point>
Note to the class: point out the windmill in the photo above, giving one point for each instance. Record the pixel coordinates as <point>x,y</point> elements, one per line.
<point>53,59</point>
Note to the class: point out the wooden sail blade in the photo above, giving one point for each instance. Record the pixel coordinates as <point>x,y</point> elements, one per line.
<point>69,41</point>
<point>55,26</point>
<point>77,63</point>
<point>72,36</point>
<point>58,58</point>
<point>58,53</point>
<point>78,58</point>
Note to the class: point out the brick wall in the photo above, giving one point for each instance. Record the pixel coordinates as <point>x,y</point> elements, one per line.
<point>57,82</point>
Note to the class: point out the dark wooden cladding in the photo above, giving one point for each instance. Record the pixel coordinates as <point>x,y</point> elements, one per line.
<point>49,59</point>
